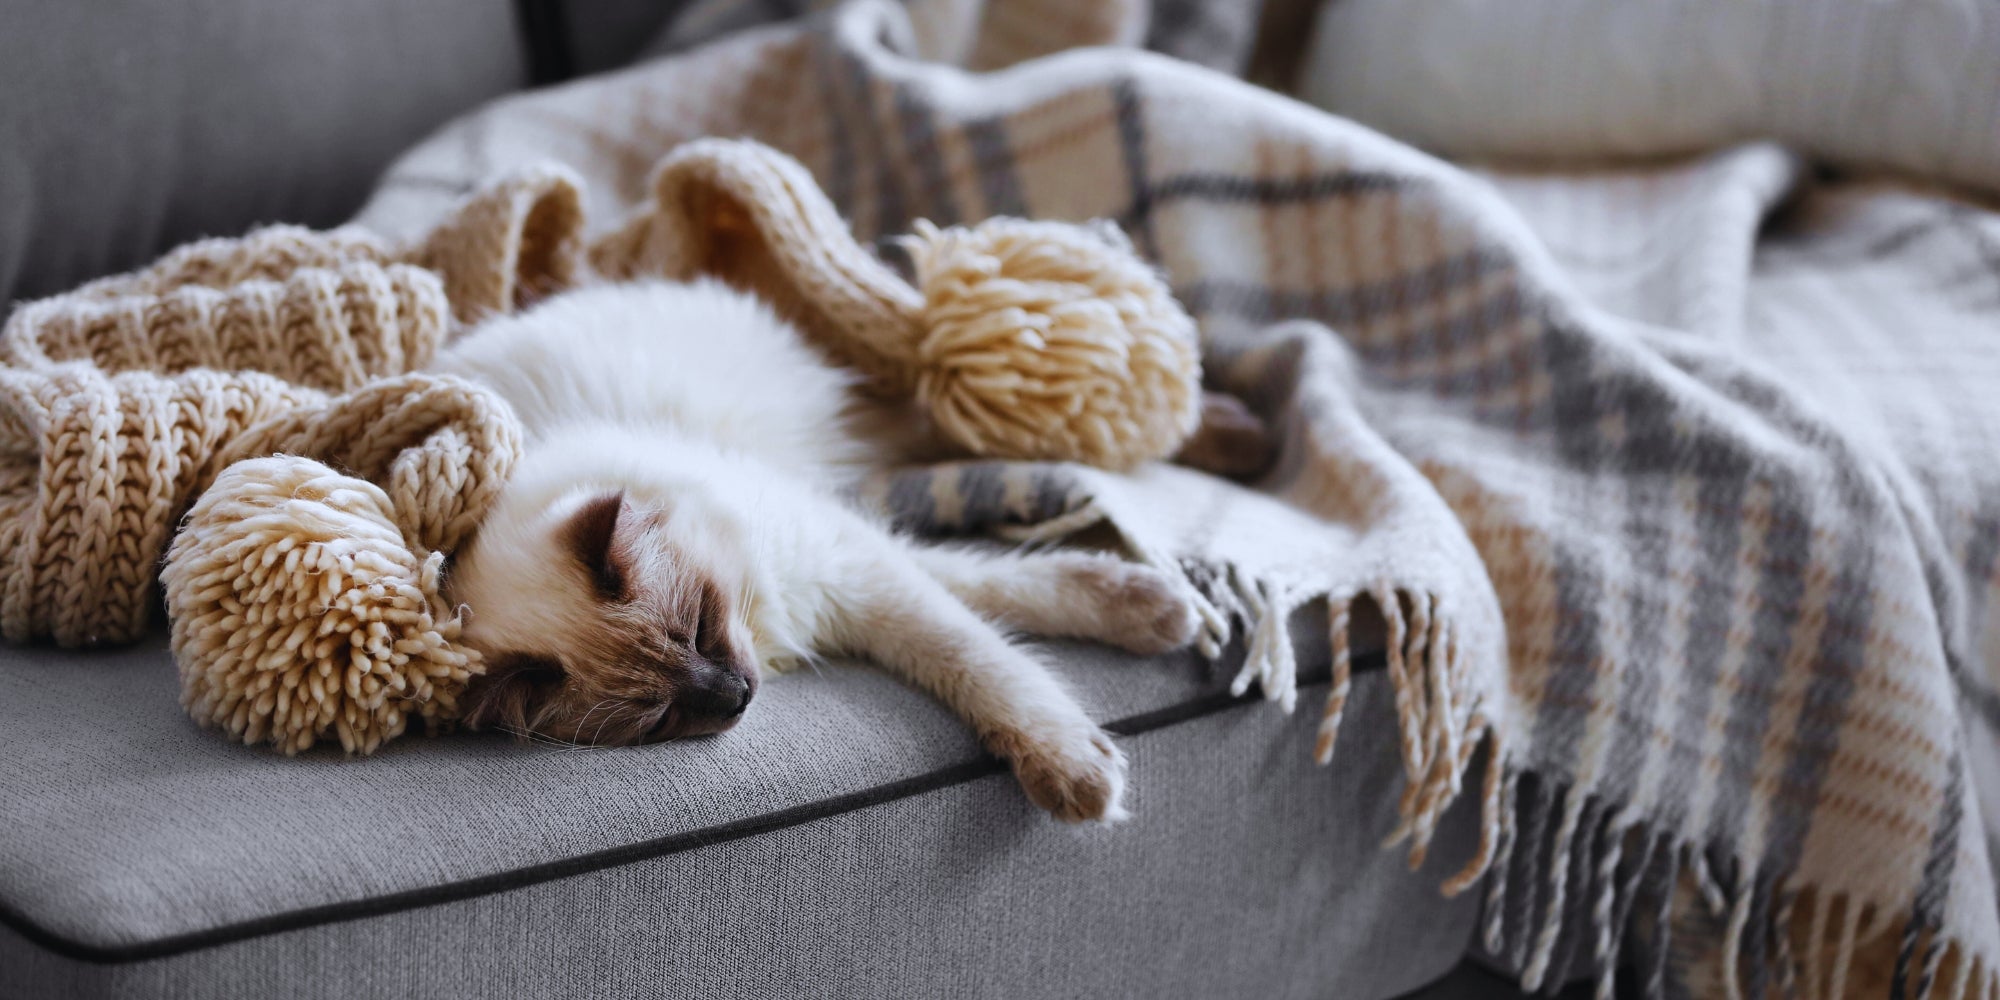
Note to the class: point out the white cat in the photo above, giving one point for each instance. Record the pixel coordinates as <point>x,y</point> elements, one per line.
<point>679,521</point>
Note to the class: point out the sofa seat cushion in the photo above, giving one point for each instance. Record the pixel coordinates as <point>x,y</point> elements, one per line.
<point>143,854</point>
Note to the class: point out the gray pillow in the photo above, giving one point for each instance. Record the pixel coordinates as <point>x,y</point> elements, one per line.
<point>129,126</point>
<point>1912,85</point>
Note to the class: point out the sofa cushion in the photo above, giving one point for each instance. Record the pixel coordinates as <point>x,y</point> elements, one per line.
<point>1909,86</point>
<point>131,126</point>
<point>143,856</point>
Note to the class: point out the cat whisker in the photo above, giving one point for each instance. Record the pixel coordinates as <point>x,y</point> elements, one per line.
<point>541,739</point>
<point>576,733</point>
<point>608,716</point>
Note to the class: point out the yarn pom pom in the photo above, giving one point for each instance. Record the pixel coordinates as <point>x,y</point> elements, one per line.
<point>300,611</point>
<point>1049,340</point>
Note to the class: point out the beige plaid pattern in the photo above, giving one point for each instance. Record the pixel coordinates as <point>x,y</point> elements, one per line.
<point>1690,530</point>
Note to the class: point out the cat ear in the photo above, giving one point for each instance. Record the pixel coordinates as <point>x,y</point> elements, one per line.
<point>508,693</point>
<point>589,536</point>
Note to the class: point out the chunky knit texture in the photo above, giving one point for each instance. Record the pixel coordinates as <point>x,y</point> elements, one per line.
<point>1052,341</point>
<point>301,611</point>
<point>513,241</point>
<point>1023,339</point>
<point>306,603</point>
<point>98,468</point>
<point>332,325</point>
<point>440,447</point>
<point>271,253</point>
<point>117,398</point>
<point>754,216</point>
<point>134,385</point>
<point>122,402</point>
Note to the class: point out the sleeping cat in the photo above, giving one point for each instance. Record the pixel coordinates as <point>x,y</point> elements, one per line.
<point>679,522</point>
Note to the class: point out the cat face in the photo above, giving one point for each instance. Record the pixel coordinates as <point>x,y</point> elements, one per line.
<point>604,623</point>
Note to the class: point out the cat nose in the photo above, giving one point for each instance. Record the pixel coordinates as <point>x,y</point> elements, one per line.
<point>716,692</point>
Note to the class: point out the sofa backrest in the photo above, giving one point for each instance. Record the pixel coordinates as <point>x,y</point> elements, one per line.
<point>130,126</point>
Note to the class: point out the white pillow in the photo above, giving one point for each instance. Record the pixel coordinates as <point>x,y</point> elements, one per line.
<point>1907,84</point>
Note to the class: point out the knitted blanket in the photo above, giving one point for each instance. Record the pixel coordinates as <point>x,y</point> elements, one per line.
<point>1684,524</point>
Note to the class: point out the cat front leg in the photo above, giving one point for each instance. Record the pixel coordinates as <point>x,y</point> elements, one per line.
<point>897,615</point>
<point>1069,595</point>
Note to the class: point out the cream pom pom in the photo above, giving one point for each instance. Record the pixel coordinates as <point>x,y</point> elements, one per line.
<point>301,611</point>
<point>1024,339</point>
<point>1050,340</point>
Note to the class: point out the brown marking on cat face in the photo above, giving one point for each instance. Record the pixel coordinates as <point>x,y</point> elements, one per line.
<point>589,535</point>
<point>653,649</point>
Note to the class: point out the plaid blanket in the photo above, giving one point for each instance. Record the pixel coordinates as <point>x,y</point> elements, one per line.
<point>1669,490</point>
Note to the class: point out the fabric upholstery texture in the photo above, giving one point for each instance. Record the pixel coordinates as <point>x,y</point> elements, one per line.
<point>1913,85</point>
<point>1254,870</point>
<point>131,126</point>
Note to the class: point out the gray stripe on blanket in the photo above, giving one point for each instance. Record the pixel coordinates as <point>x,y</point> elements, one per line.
<point>1575,398</point>
<point>993,153</point>
<point>1842,649</point>
<point>1779,593</point>
<point>982,493</point>
<point>1934,890</point>
<point>1132,147</point>
<point>920,145</point>
<point>975,496</point>
<point>892,215</point>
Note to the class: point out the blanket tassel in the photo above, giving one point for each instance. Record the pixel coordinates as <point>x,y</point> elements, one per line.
<point>1441,726</point>
<point>1541,847</point>
<point>1777,936</point>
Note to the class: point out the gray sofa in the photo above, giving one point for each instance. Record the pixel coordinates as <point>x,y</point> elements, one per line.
<point>848,839</point>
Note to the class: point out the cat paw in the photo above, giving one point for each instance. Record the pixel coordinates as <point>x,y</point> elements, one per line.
<point>1138,608</point>
<point>1078,776</point>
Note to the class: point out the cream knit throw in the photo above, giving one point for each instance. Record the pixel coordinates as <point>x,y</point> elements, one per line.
<point>305,602</point>
<point>98,468</point>
<point>121,402</point>
<point>116,406</point>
